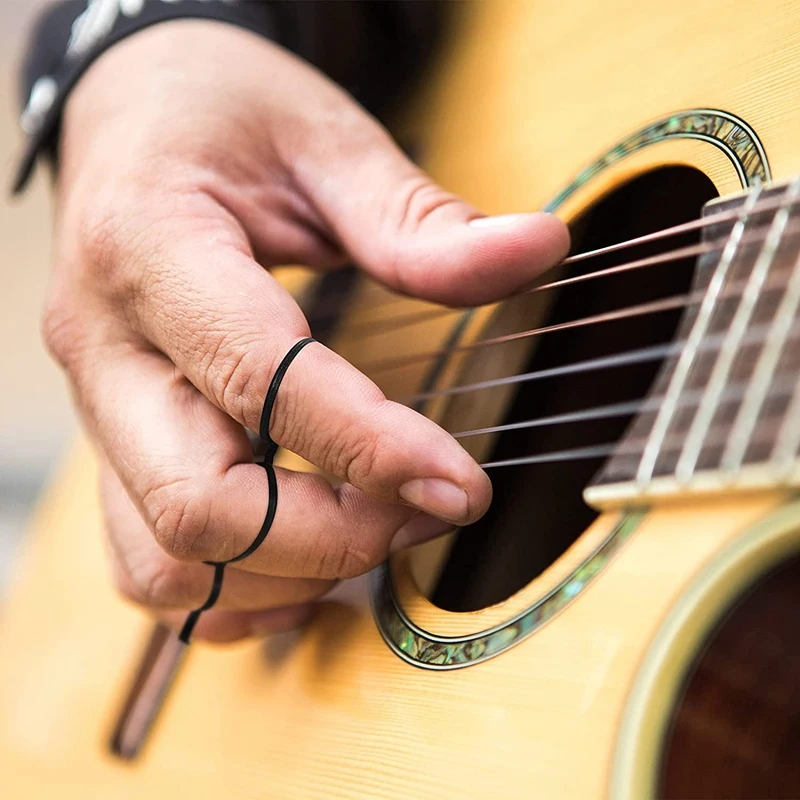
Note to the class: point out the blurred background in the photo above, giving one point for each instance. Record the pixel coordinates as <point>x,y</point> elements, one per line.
<point>36,421</point>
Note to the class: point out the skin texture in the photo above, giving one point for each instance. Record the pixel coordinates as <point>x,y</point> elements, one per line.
<point>194,157</point>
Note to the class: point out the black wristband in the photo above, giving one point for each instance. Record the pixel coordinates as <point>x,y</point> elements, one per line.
<point>272,484</point>
<point>375,50</point>
<point>82,33</point>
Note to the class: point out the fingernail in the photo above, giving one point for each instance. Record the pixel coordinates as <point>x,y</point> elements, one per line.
<point>438,497</point>
<point>420,528</point>
<point>496,222</point>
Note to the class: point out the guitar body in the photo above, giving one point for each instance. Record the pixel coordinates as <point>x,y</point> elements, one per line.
<point>591,658</point>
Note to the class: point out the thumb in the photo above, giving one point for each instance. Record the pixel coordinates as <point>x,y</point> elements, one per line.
<point>415,237</point>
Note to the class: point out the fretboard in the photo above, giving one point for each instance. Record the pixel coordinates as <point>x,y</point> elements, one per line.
<point>728,402</point>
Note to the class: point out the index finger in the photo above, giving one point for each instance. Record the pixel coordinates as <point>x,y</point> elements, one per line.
<point>227,325</point>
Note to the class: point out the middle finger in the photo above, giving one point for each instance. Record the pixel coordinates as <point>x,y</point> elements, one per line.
<point>149,577</point>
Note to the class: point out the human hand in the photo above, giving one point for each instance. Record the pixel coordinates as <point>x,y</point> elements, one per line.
<point>194,157</point>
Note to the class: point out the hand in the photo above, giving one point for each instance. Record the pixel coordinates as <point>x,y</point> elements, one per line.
<point>194,156</point>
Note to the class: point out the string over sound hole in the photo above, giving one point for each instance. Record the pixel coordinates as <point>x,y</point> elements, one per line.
<point>538,510</point>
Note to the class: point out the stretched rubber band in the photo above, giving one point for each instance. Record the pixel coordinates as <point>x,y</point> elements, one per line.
<point>272,487</point>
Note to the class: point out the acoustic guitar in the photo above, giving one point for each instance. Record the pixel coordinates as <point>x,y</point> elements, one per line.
<point>624,621</point>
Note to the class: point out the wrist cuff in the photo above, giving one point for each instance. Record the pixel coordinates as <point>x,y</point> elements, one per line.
<point>99,25</point>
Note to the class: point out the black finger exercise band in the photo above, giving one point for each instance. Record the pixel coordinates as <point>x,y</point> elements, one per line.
<point>272,485</point>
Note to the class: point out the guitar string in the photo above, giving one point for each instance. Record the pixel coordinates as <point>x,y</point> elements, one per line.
<point>691,399</point>
<point>756,335</point>
<point>358,330</point>
<point>642,355</point>
<point>670,303</point>
<point>636,356</point>
<point>774,204</point>
<point>737,329</point>
<point>400,322</point>
<point>574,454</point>
<point>778,388</point>
<point>645,308</point>
<point>633,447</point>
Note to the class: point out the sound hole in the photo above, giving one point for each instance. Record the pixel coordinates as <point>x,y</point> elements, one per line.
<point>736,731</point>
<point>538,510</point>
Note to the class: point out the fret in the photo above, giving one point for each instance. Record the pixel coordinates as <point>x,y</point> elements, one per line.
<point>747,419</point>
<point>728,410</point>
<point>731,345</point>
<point>696,336</point>
<point>787,443</point>
<point>704,363</point>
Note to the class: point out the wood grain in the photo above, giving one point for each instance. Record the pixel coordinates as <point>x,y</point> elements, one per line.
<point>331,712</point>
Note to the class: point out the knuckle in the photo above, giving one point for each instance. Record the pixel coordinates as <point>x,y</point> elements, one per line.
<point>337,559</point>
<point>420,199</point>
<point>237,378</point>
<point>290,427</point>
<point>180,517</point>
<point>349,547</point>
<point>99,232</point>
<point>162,586</point>
<point>361,459</point>
<point>120,239</point>
<point>340,542</point>
<point>415,202</point>
<point>127,588</point>
<point>354,558</point>
<point>239,369</point>
<point>350,448</point>
<point>123,582</point>
<point>61,330</point>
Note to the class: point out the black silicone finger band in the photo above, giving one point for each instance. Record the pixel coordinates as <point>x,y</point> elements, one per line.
<point>272,487</point>
<point>216,587</point>
<point>272,394</point>
<point>272,507</point>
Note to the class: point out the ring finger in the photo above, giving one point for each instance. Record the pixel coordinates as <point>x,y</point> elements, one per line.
<point>149,577</point>
<point>188,470</point>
